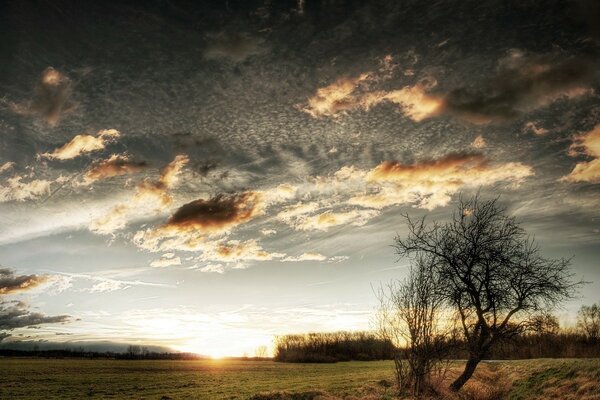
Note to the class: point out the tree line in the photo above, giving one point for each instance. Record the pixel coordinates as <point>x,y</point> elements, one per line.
<point>332,347</point>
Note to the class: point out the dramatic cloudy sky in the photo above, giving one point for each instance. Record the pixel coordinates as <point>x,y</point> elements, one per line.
<point>204,175</point>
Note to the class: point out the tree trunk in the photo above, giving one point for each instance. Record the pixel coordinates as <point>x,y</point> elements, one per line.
<point>466,374</point>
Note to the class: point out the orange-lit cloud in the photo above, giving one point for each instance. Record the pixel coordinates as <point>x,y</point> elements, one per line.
<point>11,283</point>
<point>350,196</point>
<point>589,145</point>
<point>189,226</point>
<point>159,189</point>
<point>151,196</point>
<point>51,99</point>
<point>349,94</point>
<point>82,144</point>
<point>534,128</point>
<point>522,83</point>
<point>479,142</point>
<point>235,251</point>
<point>217,214</point>
<point>115,165</point>
<point>430,184</point>
<point>116,219</point>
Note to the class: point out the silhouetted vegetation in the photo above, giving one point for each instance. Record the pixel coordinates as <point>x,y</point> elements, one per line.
<point>490,273</point>
<point>332,347</point>
<point>410,317</point>
<point>588,321</point>
<point>80,353</point>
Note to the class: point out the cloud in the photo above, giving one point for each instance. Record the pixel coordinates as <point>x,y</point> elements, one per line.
<point>116,219</point>
<point>103,284</point>
<point>214,268</point>
<point>479,142</point>
<point>168,178</point>
<point>328,219</point>
<point>51,99</point>
<point>306,257</point>
<point>189,225</point>
<point>107,286</point>
<point>350,196</point>
<point>587,144</point>
<point>235,251</point>
<point>16,190</point>
<point>351,94</point>
<point>218,213</point>
<point>115,165</point>
<point>234,47</point>
<point>16,314</point>
<point>11,283</point>
<point>82,144</point>
<point>7,166</point>
<point>534,128</point>
<point>430,184</point>
<point>150,196</point>
<point>523,82</point>
<point>167,260</point>
<point>296,211</point>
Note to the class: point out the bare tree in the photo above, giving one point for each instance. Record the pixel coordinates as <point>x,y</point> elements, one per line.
<point>410,316</point>
<point>544,324</point>
<point>261,352</point>
<point>588,320</point>
<point>492,274</point>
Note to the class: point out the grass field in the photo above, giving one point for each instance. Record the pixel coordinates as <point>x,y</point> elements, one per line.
<point>231,379</point>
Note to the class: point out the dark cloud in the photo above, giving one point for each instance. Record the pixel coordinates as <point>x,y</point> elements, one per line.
<point>16,314</point>
<point>217,213</point>
<point>522,83</point>
<point>11,283</point>
<point>51,99</point>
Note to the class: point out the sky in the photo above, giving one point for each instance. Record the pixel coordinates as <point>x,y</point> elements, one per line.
<point>203,176</point>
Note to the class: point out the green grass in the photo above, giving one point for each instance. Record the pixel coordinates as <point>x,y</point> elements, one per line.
<point>233,379</point>
<point>564,379</point>
<point>202,379</point>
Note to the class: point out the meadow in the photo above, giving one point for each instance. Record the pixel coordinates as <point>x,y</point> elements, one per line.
<point>267,380</point>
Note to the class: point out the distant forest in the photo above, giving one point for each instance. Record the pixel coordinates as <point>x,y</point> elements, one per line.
<point>346,346</point>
